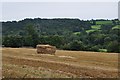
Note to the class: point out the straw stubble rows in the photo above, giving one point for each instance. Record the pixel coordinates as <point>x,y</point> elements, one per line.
<point>25,62</point>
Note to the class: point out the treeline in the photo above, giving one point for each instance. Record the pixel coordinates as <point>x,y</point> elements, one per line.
<point>67,34</point>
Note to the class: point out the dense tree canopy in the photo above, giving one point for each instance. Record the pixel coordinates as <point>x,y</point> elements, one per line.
<point>69,34</point>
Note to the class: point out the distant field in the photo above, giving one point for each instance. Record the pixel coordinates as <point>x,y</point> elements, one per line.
<point>96,27</point>
<point>103,22</point>
<point>116,27</point>
<point>91,30</point>
<point>26,63</point>
<point>77,33</point>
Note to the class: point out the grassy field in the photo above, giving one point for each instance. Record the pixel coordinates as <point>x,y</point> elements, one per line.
<point>103,22</point>
<point>91,30</point>
<point>116,27</point>
<point>96,27</point>
<point>26,63</point>
<point>77,33</point>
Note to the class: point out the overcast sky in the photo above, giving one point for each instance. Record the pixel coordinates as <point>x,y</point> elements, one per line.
<point>82,10</point>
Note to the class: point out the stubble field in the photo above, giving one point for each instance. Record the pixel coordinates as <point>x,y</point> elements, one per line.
<point>26,63</point>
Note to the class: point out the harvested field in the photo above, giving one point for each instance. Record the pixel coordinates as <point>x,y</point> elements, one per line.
<point>25,62</point>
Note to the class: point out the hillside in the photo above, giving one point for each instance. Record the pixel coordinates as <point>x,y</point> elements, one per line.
<point>45,26</point>
<point>67,34</point>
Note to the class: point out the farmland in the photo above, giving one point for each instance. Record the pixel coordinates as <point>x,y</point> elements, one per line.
<point>96,27</point>
<point>116,27</point>
<point>103,22</point>
<point>26,63</point>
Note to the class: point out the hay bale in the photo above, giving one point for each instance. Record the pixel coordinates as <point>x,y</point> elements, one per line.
<point>46,49</point>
